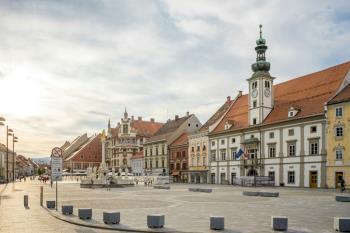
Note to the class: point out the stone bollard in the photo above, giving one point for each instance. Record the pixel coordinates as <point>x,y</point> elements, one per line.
<point>50,204</point>
<point>85,213</point>
<point>41,195</point>
<point>67,209</point>
<point>217,222</point>
<point>342,224</point>
<point>279,223</point>
<point>111,217</point>
<point>25,200</point>
<point>155,220</point>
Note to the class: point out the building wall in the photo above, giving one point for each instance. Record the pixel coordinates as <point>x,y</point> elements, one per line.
<point>137,166</point>
<point>179,162</point>
<point>89,156</point>
<point>302,164</point>
<point>152,156</point>
<point>338,165</point>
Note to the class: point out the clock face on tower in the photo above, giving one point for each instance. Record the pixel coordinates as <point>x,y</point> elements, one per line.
<point>255,93</point>
<point>267,92</point>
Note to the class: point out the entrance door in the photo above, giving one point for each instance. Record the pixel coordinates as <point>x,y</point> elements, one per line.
<point>233,177</point>
<point>338,178</point>
<point>223,178</point>
<point>313,179</point>
<point>252,172</point>
<point>213,178</point>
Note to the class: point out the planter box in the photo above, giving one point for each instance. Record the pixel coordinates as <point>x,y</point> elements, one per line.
<point>217,222</point>
<point>111,217</point>
<point>85,213</point>
<point>342,224</point>
<point>67,209</point>
<point>50,204</point>
<point>155,220</point>
<point>279,223</point>
<point>342,198</point>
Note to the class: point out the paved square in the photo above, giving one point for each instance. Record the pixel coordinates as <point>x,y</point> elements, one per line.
<point>307,210</point>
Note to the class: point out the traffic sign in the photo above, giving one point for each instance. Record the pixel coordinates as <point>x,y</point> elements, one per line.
<point>56,164</point>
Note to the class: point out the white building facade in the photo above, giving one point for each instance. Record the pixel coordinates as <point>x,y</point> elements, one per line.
<point>278,131</point>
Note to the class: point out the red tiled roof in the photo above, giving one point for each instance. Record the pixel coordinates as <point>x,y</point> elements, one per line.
<point>146,128</point>
<point>181,140</point>
<point>138,155</point>
<point>307,93</point>
<point>342,96</point>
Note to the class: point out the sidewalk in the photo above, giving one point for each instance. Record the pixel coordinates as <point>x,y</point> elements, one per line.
<point>16,218</point>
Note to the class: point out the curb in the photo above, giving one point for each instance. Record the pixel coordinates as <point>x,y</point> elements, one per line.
<point>111,228</point>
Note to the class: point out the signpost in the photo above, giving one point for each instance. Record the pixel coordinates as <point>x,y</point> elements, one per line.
<point>56,166</point>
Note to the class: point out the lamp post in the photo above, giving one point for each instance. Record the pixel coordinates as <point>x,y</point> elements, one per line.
<point>8,133</point>
<point>14,139</point>
<point>2,120</point>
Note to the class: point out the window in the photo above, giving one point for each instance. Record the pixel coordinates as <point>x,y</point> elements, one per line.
<point>150,151</point>
<point>233,153</point>
<point>314,148</point>
<point>254,121</point>
<point>212,143</point>
<point>204,147</point>
<point>291,132</point>
<point>223,155</point>
<point>291,148</point>
<point>189,125</point>
<point>233,140</point>
<point>339,131</point>
<point>157,150</point>
<point>313,129</point>
<point>192,149</point>
<point>291,177</point>
<point>291,114</point>
<point>272,175</point>
<point>272,150</point>
<point>213,156</point>
<point>254,85</point>
<point>339,154</point>
<point>204,162</point>
<point>156,163</point>
<point>146,152</point>
<point>271,135</point>
<point>267,84</point>
<point>222,142</point>
<point>254,104</point>
<point>339,112</point>
<point>198,148</point>
<point>163,150</point>
<point>162,163</point>
<point>146,164</point>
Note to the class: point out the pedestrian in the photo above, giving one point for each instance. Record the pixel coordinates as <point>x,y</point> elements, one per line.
<point>342,185</point>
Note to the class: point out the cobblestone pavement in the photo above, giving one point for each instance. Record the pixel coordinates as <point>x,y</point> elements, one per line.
<point>307,210</point>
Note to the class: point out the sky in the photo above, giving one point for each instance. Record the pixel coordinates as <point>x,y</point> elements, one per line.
<point>66,67</point>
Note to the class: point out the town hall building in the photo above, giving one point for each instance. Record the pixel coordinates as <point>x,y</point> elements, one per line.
<point>276,130</point>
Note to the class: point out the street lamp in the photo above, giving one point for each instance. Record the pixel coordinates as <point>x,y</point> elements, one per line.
<point>2,119</point>
<point>14,139</point>
<point>9,132</point>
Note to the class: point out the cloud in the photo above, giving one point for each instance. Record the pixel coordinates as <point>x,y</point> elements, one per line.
<point>70,64</point>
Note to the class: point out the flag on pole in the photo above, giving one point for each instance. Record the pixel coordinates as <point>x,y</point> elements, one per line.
<point>239,154</point>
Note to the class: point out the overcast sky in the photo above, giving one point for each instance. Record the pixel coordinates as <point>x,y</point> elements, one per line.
<point>66,67</point>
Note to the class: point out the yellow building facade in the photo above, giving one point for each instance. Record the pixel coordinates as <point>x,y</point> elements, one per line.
<point>338,139</point>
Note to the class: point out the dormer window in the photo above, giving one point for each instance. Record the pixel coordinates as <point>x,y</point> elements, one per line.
<point>228,124</point>
<point>292,111</point>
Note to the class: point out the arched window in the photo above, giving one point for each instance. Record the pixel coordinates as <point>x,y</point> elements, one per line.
<point>125,128</point>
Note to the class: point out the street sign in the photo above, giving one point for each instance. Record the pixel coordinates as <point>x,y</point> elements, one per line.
<point>56,164</point>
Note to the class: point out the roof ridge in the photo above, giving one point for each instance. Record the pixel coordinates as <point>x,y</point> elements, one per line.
<point>313,73</point>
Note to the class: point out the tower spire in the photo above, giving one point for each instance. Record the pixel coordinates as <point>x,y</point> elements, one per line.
<point>261,66</point>
<point>109,123</point>
<point>125,114</point>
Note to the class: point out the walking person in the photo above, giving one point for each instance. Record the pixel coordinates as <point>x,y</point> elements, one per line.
<point>342,185</point>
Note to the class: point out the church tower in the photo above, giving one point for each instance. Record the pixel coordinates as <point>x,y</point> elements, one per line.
<point>260,85</point>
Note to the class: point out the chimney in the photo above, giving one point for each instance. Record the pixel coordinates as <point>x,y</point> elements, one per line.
<point>187,113</point>
<point>228,98</point>
<point>176,117</point>
<point>139,118</point>
<point>132,118</point>
<point>152,119</point>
